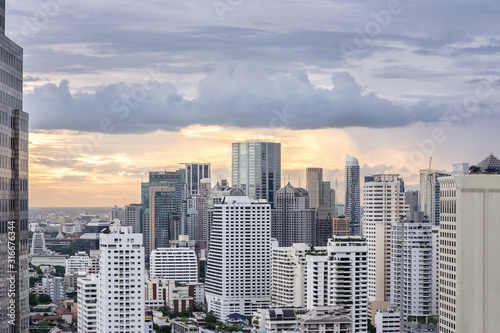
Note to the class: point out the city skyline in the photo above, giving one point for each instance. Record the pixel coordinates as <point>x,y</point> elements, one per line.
<point>146,86</point>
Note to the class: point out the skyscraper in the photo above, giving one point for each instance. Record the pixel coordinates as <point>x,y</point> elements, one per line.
<point>238,275</point>
<point>132,217</point>
<point>292,219</point>
<point>384,206</point>
<point>14,279</point>
<point>429,193</point>
<point>352,195</point>
<point>314,185</point>
<point>412,265</point>
<point>195,172</point>
<point>120,286</point>
<point>469,296</point>
<point>256,169</point>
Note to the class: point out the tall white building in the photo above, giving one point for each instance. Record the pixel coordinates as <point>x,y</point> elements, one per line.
<point>87,304</point>
<point>120,297</point>
<point>469,248</point>
<point>289,275</point>
<point>412,265</point>
<point>238,275</point>
<point>77,263</point>
<point>384,207</point>
<point>180,264</point>
<point>38,243</point>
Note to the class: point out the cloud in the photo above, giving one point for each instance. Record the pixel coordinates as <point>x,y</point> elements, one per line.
<point>244,96</point>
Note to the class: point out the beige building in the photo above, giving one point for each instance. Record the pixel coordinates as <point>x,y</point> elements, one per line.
<point>177,297</point>
<point>469,248</point>
<point>384,206</point>
<point>314,184</point>
<point>341,226</point>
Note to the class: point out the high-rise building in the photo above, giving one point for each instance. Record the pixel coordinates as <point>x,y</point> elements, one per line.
<point>328,196</point>
<point>116,213</point>
<point>289,275</point>
<point>469,246</point>
<point>202,209</point>
<point>411,200</point>
<point>38,243</point>
<point>14,278</point>
<point>195,172</point>
<point>429,193</point>
<point>238,275</point>
<point>132,217</point>
<point>120,295</point>
<point>314,186</point>
<point>341,226</point>
<point>337,275</point>
<point>324,225</point>
<point>256,169</point>
<point>384,207</point>
<point>77,263</point>
<point>352,194</point>
<point>87,304</point>
<point>412,265</point>
<point>292,219</point>
<point>179,264</point>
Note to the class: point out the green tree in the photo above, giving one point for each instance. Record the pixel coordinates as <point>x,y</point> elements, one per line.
<point>371,328</point>
<point>44,299</point>
<point>60,270</point>
<point>33,280</point>
<point>33,300</point>
<point>210,318</point>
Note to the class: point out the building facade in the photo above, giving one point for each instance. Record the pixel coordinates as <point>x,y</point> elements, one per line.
<point>469,232</point>
<point>132,217</point>
<point>314,186</point>
<point>87,304</point>
<point>120,295</point>
<point>256,169</point>
<point>238,278</point>
<point>429,193</point>
<point>384,207</point>
<point>14,188</point>
<point>352,194</point>
<point>179,264</point>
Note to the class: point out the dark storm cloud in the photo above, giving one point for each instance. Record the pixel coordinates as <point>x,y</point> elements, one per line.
<point>243,96</point>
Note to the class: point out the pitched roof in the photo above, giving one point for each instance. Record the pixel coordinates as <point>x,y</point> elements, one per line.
<point>490,163</point>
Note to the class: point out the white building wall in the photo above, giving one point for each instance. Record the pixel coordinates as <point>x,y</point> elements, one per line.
<point>121,282</point>
<point>87,304</point>
<point>239,259</point>
<point>77,263</point>
<point>180,264</point>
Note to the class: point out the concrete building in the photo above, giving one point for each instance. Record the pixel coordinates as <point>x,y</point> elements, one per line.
<point>293,221</point>
<point>328,196</point>
<point>469,233</point>
<point>277,319</point>
<point>412,265</point>
<point>324,225</point>
<point>49,259</point>
<point>14,187</point>
<point>238,278</point>
<point>38,243</point>
<point>384,206</point>
<point>120,295</point>
<point>256,169</point>
<point>87,304</point>
<point>388,321</point>
<point>328,319</point>
<point>116,214</point>
<point>180,264</point>
<point>77,263</point>
<point>289,275</point>
<point>429,193</point>
<point>132,217</point>
<point>314,186</point>
<point>194,173</point>
<point>93,263</point>
<point>352,194</point>
<point>411,200</point>
<point>177,297</point>
<point>54,287</point>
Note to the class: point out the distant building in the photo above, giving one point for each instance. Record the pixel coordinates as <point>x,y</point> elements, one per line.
<point>411,200</point>
<point>293,221</point>
<point>352,194</point>
<point>195,172</point>
<point>324,225</point>
<point>180,264</point>
<point>429,197</point>
<point>341,226</point>
<point>38,243</point>
<point>87,304</point>
<point>132,217</point>
<point>388,321</point>
<point>256,169</point>
<point>54,287</point>
<point>327,319</point>
<point>176,296</point>
<point>314,186</point>
<point>77,263</point>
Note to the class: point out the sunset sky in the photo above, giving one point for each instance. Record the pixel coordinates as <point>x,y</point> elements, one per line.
<point>115,89</point>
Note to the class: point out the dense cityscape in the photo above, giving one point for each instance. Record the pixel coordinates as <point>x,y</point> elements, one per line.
<point>254,251</point>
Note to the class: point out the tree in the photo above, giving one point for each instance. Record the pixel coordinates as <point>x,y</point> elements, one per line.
<point>210,317</point>
<point>60,270</point>
<point>44,299</point>
<point>33,280</point>
<point>33,300</point>
<point>371,328</point>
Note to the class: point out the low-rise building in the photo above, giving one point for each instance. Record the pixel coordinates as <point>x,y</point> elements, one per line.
<point>176,296</point>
